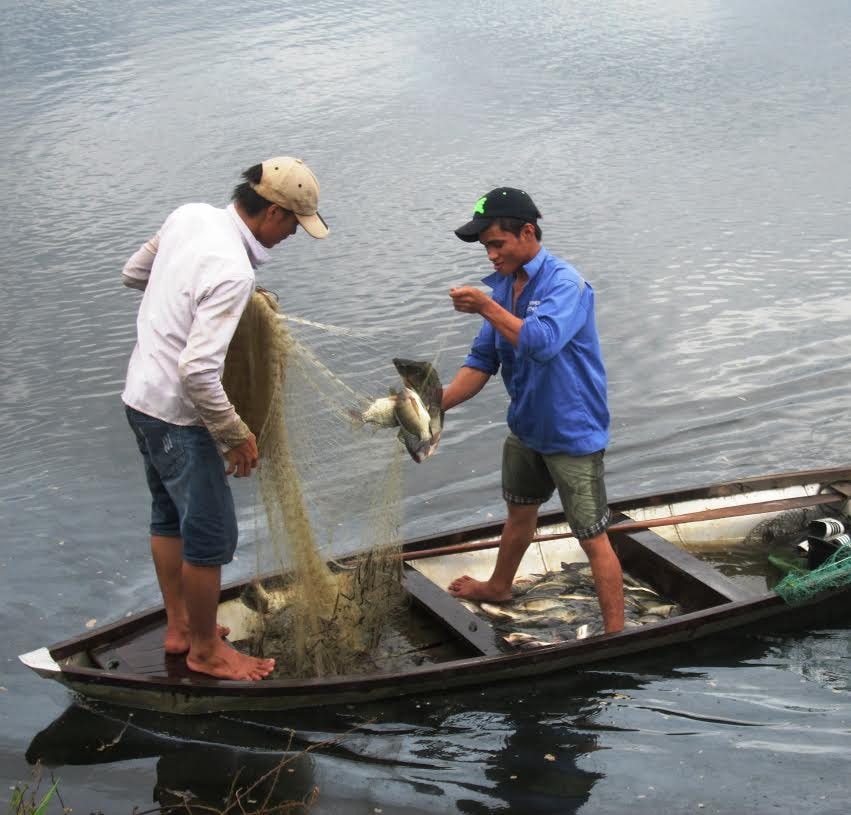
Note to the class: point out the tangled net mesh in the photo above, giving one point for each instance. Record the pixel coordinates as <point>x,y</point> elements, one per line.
<point>786,525</point>
<point>834,573</point>
<point>323,479</point>
<point>801,584</point>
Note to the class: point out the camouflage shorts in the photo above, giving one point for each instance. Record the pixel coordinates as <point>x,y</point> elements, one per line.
<point>529,477</point>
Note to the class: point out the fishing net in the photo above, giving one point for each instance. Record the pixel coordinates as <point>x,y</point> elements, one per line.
<point>835,573</point>
<point>325,482</point>
<point>784,533</point>
<point>782,526</point>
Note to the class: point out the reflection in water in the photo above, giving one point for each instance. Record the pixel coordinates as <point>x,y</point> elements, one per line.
<point>195,762</point>
<point>594,740</point>
<point>434,759</point>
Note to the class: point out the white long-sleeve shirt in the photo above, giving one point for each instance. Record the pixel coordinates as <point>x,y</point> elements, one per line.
<point>197,273</point>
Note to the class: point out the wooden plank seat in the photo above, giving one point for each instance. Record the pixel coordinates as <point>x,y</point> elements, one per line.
<point>446,609</point>
<point>676,573</point>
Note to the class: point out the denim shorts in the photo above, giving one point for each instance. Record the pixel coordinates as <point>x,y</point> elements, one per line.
<point>529,477</point>
<point>190,495</point>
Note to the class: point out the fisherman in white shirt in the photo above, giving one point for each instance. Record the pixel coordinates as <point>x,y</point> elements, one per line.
<point>197,274</point>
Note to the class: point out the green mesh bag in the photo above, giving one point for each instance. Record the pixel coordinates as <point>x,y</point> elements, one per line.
<point>834,573</point>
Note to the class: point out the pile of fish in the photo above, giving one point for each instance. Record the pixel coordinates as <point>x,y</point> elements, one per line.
<point>561,606</point>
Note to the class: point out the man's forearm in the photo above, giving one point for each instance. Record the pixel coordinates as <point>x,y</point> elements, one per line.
<point>466,384</point>
<point>218,414</point>
<point>137,270</point>
<point>503,321</point>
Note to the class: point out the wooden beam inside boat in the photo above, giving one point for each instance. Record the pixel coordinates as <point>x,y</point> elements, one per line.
<point>465,625</point>
<point>677,574</point>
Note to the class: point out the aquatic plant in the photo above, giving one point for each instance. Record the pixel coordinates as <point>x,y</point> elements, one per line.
<point>26,797</point>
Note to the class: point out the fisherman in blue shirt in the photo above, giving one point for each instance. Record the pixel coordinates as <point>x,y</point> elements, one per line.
<point>539,330</point>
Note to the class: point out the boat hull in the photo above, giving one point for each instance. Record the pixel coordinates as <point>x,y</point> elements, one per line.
<point>720,607</point>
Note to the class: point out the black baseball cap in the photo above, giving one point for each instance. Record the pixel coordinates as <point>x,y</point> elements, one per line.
<point>503,202</point>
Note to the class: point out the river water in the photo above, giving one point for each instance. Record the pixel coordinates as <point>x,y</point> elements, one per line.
<point>691,158</point>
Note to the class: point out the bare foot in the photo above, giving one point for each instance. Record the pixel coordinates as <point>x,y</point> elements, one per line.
<point>225,662</point>
<point>177,640</point>
<point>470,589</point>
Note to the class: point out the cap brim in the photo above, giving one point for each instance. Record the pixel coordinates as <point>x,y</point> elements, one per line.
<point>470,231</point>
<point>314,225</point>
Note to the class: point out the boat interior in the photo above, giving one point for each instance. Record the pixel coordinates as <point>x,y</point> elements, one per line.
<point>670,569</point>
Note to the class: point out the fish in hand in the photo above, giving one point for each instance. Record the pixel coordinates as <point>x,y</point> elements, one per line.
<point>415,409</point>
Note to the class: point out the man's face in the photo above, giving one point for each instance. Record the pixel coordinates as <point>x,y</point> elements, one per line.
<point>507,251</point>
<point>277,225</point>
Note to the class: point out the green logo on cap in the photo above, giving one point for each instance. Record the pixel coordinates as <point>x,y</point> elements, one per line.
<point>480,205</point>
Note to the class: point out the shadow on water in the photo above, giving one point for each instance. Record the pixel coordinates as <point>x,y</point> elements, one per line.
<point>512,747</point>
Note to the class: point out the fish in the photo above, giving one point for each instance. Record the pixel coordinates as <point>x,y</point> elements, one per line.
<point>381,412</point>
<point>578,567</point>
<point>525,642</point>
<point>521,638</point>
<point>659,609</point>
<point>640,590</point>
<point>547,587</point>
<point>403,408</point>
<point>543,616</point>
<point>553,619</point>
<point>412,416</point>
<point>415,409</point>
<point>499,612</point>
<point>421,415</point>
<point>537,605</point>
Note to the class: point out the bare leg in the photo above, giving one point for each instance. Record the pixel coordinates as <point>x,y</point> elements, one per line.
<point>516,537</point>
<point>168,562</point>
<point>208,653</point>
<point>608,580</point>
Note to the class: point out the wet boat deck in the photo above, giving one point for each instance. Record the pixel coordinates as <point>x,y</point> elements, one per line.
<point>142,654</point>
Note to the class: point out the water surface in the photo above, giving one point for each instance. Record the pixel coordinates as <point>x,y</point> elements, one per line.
<point>690,158</point>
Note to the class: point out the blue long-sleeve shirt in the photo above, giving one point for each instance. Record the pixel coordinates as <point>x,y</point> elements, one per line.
<point>555,377</point>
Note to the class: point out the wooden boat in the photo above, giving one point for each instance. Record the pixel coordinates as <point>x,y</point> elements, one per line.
<point>676,543</point>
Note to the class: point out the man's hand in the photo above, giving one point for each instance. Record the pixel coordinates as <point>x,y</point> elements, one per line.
<point>243,459</point>
<point>474,301</point>
<point>469,299</point>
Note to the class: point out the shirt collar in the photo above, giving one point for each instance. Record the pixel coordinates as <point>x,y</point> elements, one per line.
<point>531,268</point>
<point>257,253</point>
<point>534,266</point>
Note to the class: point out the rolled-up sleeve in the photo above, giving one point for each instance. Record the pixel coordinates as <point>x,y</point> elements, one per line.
<point>137,270</point>
<point>554,323</point>
<point>483,355</point>
<point>201,361</point>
